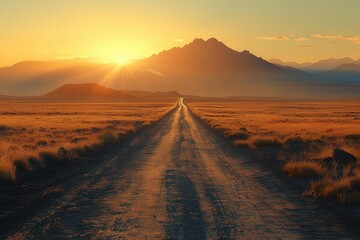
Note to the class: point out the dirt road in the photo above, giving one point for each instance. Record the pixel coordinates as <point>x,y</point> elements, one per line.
<point>179,180</point>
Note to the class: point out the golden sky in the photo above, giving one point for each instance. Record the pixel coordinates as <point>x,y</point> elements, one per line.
<point>291,30</point>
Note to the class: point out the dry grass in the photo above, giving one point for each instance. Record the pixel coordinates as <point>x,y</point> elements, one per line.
<point>304,169</point>
<point>336,124</point>
<point>302,130</point>
<point>49,132</point>
<point>345,190</point>
<point>283,119</point>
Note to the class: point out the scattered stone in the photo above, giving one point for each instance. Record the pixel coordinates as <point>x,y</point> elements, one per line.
<point>342,157</point>
<point>327,162</point>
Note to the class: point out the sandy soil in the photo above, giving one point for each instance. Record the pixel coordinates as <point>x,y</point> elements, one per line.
<point>177,180</point>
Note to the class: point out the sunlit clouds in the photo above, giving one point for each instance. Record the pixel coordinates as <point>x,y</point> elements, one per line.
<point>273,38</point>
<point>301,39</point>
<point>282,38</point>
<point>306,46</point>
<point>354,39</point>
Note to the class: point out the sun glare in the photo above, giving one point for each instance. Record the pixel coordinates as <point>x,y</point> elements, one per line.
<point>121,60</point>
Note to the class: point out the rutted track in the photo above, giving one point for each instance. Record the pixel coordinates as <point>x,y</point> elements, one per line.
<point>179,180</point>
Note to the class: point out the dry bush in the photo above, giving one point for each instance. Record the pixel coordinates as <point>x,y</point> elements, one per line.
<point>108,137</point>
<point>21,164</point>
<point>7,170</point>
<point>145,124</point>
<point>241,144</point>
<point>304,169</point>
<point>266,142</point>
<point>345,190</point>
<point>241,135</point>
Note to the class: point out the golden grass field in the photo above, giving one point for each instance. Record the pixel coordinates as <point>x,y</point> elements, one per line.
<point>33,134</point>
<point>305,132</point>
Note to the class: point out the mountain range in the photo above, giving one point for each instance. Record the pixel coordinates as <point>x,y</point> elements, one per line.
<point>207,68</point>
<point>319,66</point>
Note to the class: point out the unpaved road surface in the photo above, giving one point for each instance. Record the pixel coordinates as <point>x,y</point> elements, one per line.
<point>179,180</point>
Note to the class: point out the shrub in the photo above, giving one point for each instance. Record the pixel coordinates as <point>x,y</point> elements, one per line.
<point>304,169</point>
<point>237,134</point>
<point>241,144</point>
<point>352,137</point>
<point>42,143</point>
<point>145,124</point>
<point>62,153</point>
<point>108,137</point>
<point>29,147</point>
<point>345,190</point>
<point>49,158</point>
<point>78,139</point>
<point>3,128</point>
<point>72,154</point>
<point>266,142</point>
<point>21,164</point>
<point>7,170</point>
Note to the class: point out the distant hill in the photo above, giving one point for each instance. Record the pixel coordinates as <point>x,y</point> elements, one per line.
<point>290,64</point>
<point>88,90</point>
<point>346,73</point>
<point>330,63</point>
<point>350,67</point>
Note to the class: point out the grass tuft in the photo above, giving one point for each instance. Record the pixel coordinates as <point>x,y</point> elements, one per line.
<point>304,169</point>
<point>266,142</point>
<point>237,134</point>
<point>108,137</point>
<point>241,144</point>
<point>345,190</point>
<point>7,171</point>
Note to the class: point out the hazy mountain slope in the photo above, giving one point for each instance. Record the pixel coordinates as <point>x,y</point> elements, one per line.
<point>350,67</point>
<point>319,66</point>
<point>37,78</point>
<point>330,63</point>
<point>344,73</point>
<point>290,64</point>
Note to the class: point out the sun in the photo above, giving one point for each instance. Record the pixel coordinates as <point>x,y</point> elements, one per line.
<point>121,60</point>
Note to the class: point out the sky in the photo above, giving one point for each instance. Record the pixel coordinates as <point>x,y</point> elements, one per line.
<point>290,30</point>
